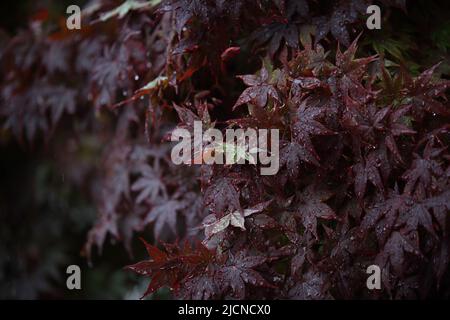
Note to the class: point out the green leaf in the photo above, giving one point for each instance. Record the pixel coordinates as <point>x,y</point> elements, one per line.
<point>122,10</point>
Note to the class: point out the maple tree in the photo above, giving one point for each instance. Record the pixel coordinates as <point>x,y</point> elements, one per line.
<point>364,159</point>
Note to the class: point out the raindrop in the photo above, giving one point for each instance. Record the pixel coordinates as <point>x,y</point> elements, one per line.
<point>136,77</point>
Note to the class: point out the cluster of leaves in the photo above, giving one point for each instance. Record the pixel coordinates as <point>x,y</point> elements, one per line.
<point>364,161</point>
<point>364,180</point>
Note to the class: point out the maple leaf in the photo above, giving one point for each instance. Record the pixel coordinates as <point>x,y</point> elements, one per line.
<point>263,221</point>
<point>384,215</point>
<point>259,89</point>
<point>110,72</point>
<point>351,67</point>
<point>201,287</point>
<point>305,125</point>
<point>56,57</point>
<point>396,127</point>
<point>440,205</point>
<point>422,93</point>
<point>291,155</point>
<point>394,252</point>
<point>363,120</point>
<point>398,211</point>
<point>186,116</point>
<point>297,261</point>
<point>149,88</point>
<point>343,14</point>
<point>115,186</point>
<point>186,10</point>
<point>201,150</point>
<point>416,214</point>
<point>368,123</point>
<point>235,218</point>
<point>213,226</point>
<point>392,85</point>
<point>128,5</point>
<point>61,100</point>
<point>106,224</point>
<point>311,206</point>
<point>285,29</point>
<point>349,73</point>
<point>152,85</point>
<point>260,118</point>
<point>170,267</point>
<point>37,109</point>
<point>86,54</point>
<point>311,62</point>
<point>313,286</point>
<point>423,170</point>
<point>239,270</point>
<point>164,212</point>
<point>275,34</point>
<point>235,152</point>
<point>149,186</point>
<point>369,170</point>
<point>222,195</point>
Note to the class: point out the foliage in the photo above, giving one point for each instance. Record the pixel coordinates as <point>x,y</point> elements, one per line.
<point>364,175</point>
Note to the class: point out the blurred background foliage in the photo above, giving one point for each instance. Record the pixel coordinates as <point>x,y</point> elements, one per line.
<point>44,222</point>
<point>43,219</point>
<point>425,23</point>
